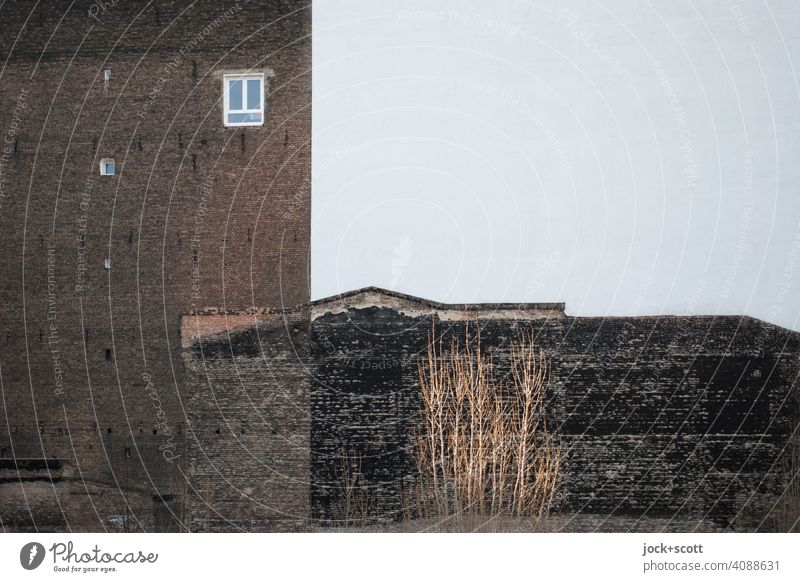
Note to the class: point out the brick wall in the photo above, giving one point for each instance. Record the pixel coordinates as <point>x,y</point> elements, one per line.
<point>248,437</point>
<point>683,419</point>
<point>673,423</point>
<point>197,216</point>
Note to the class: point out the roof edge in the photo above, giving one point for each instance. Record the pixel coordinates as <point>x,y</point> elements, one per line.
<point>555,306</point>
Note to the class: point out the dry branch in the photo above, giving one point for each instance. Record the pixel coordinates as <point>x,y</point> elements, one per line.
<point>483,450</point>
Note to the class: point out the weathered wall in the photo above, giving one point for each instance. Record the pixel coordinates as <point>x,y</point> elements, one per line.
<point>248,436</point>
<point>197,215</point>
<point>678,418</point>
<point>33,491</point>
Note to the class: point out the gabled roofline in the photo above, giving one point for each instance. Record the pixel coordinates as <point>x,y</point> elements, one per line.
<point>437,305</point>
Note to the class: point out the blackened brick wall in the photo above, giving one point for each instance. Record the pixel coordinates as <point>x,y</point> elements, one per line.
<point>197,215</point>
<point>686,419</point>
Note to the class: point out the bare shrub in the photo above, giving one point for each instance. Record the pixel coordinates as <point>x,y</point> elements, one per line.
<point>351,503</point>
<point>483,452</point>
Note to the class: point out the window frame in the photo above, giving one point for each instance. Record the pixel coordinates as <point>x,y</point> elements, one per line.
<point>244,77</point>
<point>106,161</point>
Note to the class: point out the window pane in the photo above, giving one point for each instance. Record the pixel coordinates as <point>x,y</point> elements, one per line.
<point>245,118</point>
<point>254,93</point>
<point>235,94</point>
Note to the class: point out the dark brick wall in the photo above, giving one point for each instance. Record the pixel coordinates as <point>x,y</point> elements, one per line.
<point>685,419</point>
<point>197,215</point>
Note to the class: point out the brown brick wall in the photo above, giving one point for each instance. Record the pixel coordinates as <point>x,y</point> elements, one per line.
<point>189,197</point>
<point>248,453</point>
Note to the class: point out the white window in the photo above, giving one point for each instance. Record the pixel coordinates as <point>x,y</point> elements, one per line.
<point>107,167</point>
<point>244,100</point>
